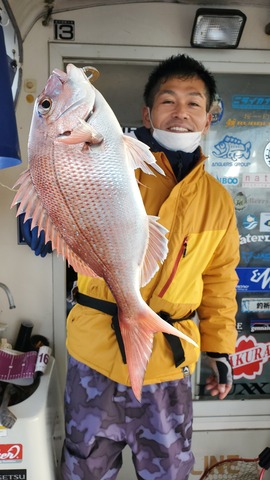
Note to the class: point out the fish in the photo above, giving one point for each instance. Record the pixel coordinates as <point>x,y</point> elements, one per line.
<point>80,188</point>
<point>232,147</point>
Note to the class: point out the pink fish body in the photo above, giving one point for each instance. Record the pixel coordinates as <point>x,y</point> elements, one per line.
<point>81,189</point>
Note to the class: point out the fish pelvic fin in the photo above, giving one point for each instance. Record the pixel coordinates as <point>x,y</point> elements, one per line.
<point>157,249</point>
<point>82,133</point>
<point>138,336</point>
<point>140,156</point>
<point>30,204</point>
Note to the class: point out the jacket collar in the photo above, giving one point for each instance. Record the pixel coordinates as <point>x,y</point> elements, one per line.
<point>182,163</point>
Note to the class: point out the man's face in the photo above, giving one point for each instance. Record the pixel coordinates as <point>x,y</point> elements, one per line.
<point>179,106</point>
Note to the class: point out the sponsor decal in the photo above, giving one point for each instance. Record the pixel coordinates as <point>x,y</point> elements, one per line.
<point>250,222</point>
<point>253,279</point>
<point>247,257</point>
<point>266,154</point>
<point>251,102</point>
<point>11,452</point>
<point>260,180</point>
<point>240,201</point>
<point>13,475</point>
<point>228,180</point>
<point>248,121</point>
<point>232,148</point>
<point>250,356</point>
<point>260,325</point>
<point>265,222</point>
<point>251,200</point>
<point>217,109</point>
<point>254,239</point>
<point>255,305</point>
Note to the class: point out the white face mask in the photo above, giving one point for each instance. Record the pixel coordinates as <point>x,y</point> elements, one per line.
<point>185,141</point>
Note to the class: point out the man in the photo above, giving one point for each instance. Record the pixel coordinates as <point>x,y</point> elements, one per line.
<point>102,414</point>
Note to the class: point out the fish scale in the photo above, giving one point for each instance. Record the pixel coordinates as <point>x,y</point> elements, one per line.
<point>85,196</point>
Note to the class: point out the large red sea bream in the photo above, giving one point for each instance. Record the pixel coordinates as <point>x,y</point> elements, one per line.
<point>81,189</point>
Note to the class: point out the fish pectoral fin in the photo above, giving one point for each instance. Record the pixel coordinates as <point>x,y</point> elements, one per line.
<point>138,336</point>
<point>82,133</point>
<point>140,156</point>
<point>157,249</point>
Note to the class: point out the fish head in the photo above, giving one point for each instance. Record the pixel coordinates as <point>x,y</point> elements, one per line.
<point>68,98</point>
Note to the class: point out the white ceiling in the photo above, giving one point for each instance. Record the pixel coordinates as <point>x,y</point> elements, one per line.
<point>27,12</point>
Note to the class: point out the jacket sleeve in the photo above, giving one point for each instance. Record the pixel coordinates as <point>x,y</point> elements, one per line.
<point>218,307</point>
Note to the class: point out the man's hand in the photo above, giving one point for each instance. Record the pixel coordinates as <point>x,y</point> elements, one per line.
<point>220,382</point>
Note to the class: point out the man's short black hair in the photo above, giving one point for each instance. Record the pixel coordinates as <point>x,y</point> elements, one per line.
<point>181,66</point>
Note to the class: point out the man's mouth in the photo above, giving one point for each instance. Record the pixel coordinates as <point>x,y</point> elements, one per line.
<point>178,129</point>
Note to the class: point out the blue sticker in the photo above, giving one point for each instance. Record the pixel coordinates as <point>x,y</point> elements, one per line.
<point>233,148</point>
<point>250,222</point>
<point>253,279</point>
<point>251,102</point>
<point>217,110</point>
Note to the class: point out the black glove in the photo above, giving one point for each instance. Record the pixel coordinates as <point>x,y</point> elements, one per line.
<point>35,241</point>
<point>220,363</point>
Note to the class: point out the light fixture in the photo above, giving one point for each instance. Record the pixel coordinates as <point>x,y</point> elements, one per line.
<point>217,28</point>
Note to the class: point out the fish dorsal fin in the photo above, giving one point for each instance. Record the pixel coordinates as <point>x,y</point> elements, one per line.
<point>139,155</point>
<point>30,204</point>
<point>157,250</point>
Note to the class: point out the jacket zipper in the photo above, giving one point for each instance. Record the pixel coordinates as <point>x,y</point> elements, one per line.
<point>181,254</point>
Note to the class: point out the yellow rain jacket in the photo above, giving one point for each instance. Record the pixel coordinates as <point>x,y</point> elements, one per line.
<point>197,275</point>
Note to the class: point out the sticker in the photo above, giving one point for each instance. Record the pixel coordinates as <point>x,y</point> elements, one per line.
<point>260,180</point>
<point>250,357</point>
<point>13,474</point>
<point>11,452</point>
<point>227,180</point>
<point>260,325</point>
<point>253,279</point>
<point>266,154</point>
<point>232,148</point>
<point>265,222</point>
<point>250,222</point>
<point>240,201</point>
<point>254,239</point>
<point>261,304</point>
<point>255,257</point>
<point>64,30</point>
<point>251,102</point>
<point>43,357</point>
<point>217,110</point>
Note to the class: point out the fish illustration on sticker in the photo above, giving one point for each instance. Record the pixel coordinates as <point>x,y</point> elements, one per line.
<point>233,148</point>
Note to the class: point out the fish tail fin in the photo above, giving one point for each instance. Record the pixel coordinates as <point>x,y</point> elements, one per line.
<point>138,337</point>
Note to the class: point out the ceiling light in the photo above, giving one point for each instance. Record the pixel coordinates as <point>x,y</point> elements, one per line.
<point>217,28</point>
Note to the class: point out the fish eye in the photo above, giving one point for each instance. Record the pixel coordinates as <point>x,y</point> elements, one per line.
<point>44,106</point>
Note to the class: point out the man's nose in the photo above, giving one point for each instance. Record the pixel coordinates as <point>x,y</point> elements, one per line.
<point>180,111</point>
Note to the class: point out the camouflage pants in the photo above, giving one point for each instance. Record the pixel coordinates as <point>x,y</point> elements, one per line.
<point>102,417</point>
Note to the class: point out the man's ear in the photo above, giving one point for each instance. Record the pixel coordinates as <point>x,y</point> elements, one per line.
<point>146,117</point>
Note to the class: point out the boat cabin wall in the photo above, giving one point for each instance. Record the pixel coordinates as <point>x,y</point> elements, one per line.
<point>145,33</point>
